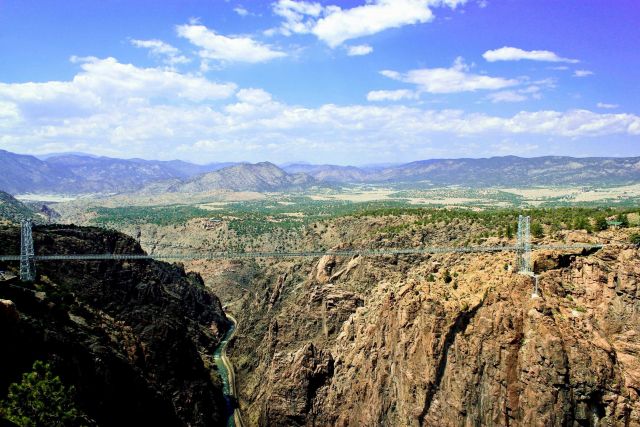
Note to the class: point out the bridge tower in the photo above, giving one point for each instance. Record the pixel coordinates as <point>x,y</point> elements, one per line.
<point>524,246</point>
<point>27,254</point>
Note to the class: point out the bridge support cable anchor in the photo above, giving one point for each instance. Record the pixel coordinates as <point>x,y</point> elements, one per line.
<point>27,253</point>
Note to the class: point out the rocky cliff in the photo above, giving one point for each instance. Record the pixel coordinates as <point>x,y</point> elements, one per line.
<point>393,341</point>
<point>135,338</point>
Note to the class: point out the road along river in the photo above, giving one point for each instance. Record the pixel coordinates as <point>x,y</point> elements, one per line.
<point>225,368</point>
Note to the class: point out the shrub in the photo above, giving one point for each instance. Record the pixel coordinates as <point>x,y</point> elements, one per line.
<point>446,276</point>
<point>41,399</point>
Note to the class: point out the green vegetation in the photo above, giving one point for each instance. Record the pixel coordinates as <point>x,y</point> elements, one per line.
<point>158,215</point>
<point>601,223</point>
<point>446,276</point>
<point>496,221</point>
<point>245,218</point>
<point>41,399</point>
<point>281,223</point>
<point>623,219</point>
<point>536,230</point>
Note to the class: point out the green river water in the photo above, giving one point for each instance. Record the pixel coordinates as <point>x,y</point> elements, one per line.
<point>224,374</point>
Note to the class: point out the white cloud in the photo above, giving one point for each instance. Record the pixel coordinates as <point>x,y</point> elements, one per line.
<point>227,49</point>
<point>522,94</point>
<point>507,96</point>
<point>391,95</point>
<point>253,96</point>
<point>582,73</point>
<point>607,106</point>
<point>516,54</point>
<point>334,25</point>
<point>105,84</point>
<point>119,109</point>
<point>169,54</point>
<point>295,14</point>
<point>241,11</point>
<point>359,50</point>
<point>450,80</point>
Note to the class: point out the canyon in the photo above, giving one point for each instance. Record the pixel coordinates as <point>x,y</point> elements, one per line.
<point>417,340</point>
<point>390,340</point>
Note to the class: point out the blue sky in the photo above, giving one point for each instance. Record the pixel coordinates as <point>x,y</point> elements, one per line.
<point>351,82</point>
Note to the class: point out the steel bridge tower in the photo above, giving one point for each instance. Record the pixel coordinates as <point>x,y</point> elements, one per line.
<point>27,254</point>
<point>524,246</point>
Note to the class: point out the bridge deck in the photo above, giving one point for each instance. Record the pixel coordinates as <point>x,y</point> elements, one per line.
<point>306,254</point>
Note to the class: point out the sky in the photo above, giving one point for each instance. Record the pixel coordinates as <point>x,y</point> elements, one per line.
<point>341,82</point>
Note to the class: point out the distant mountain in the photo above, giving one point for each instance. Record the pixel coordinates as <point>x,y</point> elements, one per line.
<point>261,177</point>
<point>78,174</point>
<point>22,173</point>
<point>330,173</point>
<point>495,171</point>
<point>516,171</point>
<point>82,174</point>
<point>13,210</point>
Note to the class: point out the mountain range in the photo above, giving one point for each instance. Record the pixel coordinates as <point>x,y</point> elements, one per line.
<point>78,174</point>
<point>82,174</point>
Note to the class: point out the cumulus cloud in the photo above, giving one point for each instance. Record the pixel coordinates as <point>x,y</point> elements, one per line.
<point>106,84</point>
<point>516,54</point>
<point>227,49</point>
<point>334,25</point>
<point>167,53</point>
<point>582,73</point>
<point>359,50</point>
<point>119,109</point>
<point>391,95</point>
<point>450,80</point>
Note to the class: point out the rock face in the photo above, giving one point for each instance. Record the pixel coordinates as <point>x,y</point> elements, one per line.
<point>504,359</point>
<point>136,338</point>
<point>389,342</point>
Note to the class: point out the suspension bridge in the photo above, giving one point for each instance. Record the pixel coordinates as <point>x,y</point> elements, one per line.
<point>522,249</point>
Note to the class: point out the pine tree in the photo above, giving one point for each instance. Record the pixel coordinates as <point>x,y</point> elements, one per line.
<point>601,223</point>
<point>509,231</point>
<point>41,399</point>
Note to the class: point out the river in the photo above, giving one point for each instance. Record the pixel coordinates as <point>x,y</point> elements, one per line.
<point>226,373</point>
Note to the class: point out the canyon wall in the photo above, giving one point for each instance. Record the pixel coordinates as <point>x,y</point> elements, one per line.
<point>136,338</point>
